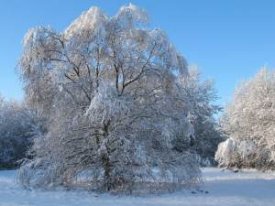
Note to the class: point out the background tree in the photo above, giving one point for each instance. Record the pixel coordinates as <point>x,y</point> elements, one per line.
<point>201,96</point>
<point>18,127</point>
<point>249,122</point>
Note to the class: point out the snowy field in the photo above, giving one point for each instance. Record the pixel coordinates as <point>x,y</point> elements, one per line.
<point>221,188</point>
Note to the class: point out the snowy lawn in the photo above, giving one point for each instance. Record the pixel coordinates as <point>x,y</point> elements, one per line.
<point>221,188</point>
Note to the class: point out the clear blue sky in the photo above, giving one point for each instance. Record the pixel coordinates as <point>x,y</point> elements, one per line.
<point>228,39</point>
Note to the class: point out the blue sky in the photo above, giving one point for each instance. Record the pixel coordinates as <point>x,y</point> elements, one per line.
<point>229,40</point>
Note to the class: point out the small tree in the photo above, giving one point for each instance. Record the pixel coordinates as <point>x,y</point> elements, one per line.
<point>249,122</point>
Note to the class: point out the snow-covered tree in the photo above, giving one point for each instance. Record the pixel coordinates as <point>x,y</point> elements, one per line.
<point>17,130</point>
<point>249,122</point>
<point>116,111</point>
<point>201,96</point>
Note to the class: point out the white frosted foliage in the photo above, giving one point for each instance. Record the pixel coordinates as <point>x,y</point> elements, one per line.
<point>249,121</point>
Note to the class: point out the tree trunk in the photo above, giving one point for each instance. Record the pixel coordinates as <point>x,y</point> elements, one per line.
<point>107,172</point>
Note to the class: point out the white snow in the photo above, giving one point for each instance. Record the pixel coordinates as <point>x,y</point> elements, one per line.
<point>221,187</point>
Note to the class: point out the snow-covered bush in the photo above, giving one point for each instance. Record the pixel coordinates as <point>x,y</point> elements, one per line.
<point>234,153</point>
<point>249,122</point>
<point>116,107</point>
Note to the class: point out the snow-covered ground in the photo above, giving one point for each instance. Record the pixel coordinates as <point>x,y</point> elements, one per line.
<point>221,188</point>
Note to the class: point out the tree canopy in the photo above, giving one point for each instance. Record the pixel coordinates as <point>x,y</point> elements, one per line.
<point>249,122</point>
<point>109,89</point>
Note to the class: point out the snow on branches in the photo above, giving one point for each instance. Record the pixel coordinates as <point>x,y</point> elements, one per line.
<point>109,89</point>
<point>249,122</point>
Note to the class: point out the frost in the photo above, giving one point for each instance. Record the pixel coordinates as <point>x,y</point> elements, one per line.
<point>90,20</point>
<point>116,97</point>
<point>248,120</point>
